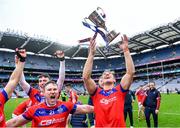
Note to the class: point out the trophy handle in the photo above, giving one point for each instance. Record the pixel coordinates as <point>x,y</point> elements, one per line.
<point>102,14</point>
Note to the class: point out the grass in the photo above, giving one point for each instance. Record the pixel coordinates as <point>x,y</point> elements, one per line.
<point>169,114</point>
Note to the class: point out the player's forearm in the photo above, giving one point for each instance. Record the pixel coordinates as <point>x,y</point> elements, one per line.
<point>14,78</point>
<point>130,69</point>
<point>127,79</point>
<point>158,103</point>
<point>12,123</point>
<point>84,109</point>
<point>16,75</point>
<point>88,81</point>
<point>73,98</point>
<point>25,86</point>
<point>88,67</point>
<point>61,78</point>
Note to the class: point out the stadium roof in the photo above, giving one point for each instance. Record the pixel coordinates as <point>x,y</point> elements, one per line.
<point>161,36</point>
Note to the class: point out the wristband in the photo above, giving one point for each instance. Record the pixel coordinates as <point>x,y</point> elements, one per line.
<point>62,58</point>
<point>22,59</point>
<point>125,50</point>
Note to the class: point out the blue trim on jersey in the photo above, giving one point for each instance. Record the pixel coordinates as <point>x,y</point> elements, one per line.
<point>108,92</point>
<point>48,112</point>
<point>122,89</point>
<point>29,91</point>
<point>74,109</point>
<point>5,95</point>
<point>38,97</point>
<point>94,92</point>
<point>25,117</point>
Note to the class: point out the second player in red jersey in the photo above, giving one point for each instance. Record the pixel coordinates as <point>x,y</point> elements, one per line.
<point>36,95</point>
<point>109,101</point>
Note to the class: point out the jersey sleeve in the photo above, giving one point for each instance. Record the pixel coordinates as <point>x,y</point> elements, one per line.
<point>21,107</point>
<point>158,100</point>
<point>28,114</point>
<point>32,92</point>
<point>71,106</point>
<point>34,95</point>
<point>123,90</point>
<point>3,96</point>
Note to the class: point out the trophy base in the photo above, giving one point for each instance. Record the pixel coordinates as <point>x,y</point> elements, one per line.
<point>111,36</point>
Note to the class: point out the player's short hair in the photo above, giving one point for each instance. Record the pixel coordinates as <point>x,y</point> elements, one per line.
<point>49,82</point>
<point>44,75</point>
<point>152,82</point>
<point>68,85</point>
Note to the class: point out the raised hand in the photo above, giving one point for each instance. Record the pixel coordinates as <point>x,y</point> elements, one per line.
<point>59,54</point>
<point>124,45</point>
<point>21,55</point>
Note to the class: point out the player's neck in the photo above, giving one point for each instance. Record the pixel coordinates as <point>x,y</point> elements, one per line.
<point>50,105</point>
<point>108,86</point>
<point>41,90</point>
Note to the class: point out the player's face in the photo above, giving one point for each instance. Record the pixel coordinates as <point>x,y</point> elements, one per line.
<point>67,89</point>
<point>108,77</point>
<point>51,93</point>
<point>42,81</point>
<point>151,85</point>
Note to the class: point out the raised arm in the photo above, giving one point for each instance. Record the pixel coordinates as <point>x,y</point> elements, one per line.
<point>25,86</point>
<point>17,121</point>
<point>15,76</point>
<point>88,81</point>
<point>60,81</point>
<point>84,109</point>
<point>130,69</point>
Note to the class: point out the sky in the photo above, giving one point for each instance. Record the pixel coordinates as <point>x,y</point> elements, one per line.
<point>61,20</point>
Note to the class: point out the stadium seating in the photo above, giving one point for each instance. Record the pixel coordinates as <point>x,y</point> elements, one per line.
<point>36,64</point>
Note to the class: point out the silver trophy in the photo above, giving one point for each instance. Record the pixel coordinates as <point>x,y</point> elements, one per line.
<point>97,17</point>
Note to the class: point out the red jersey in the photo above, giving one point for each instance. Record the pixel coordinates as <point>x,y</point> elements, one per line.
<point>44,116</point>
<point>3,99</point>
<point>36,96</point>
<point>22,107</point>
<point>73,95</point>
<point>109,107</point>
<point>140,94</point>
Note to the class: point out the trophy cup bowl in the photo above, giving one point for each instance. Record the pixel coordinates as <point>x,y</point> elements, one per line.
<point>97,17</point>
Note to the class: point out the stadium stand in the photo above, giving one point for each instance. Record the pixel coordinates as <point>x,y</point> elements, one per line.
<point>161,65</point>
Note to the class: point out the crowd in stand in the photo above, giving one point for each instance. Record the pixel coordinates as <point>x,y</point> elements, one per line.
<point>110,100</point>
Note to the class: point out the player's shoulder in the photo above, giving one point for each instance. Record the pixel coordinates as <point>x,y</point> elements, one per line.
<point>35,89</point>
<point>67,103</point>
<point>157,91</point>
<point>39,105</point>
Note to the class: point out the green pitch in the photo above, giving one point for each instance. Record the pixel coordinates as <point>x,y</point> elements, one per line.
<point>169,114</point>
